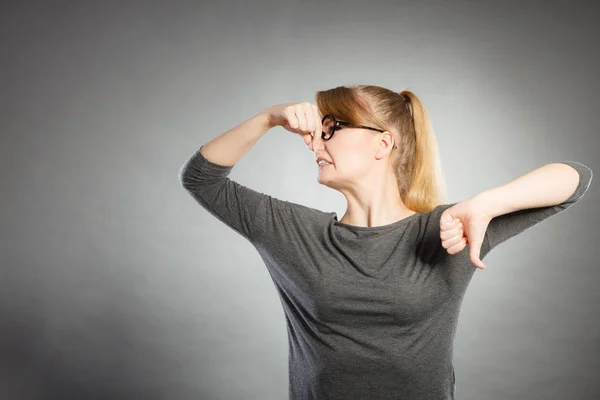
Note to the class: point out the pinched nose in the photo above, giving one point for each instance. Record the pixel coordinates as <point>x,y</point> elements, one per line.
<point>315,144</point>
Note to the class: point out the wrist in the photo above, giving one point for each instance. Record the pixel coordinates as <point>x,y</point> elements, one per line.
<point>490,203</point>
<point>265,119</point>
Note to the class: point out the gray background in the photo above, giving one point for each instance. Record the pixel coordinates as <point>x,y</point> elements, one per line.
<point>116,285</point>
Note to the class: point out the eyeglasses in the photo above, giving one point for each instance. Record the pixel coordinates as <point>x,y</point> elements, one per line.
<point>330,124</point>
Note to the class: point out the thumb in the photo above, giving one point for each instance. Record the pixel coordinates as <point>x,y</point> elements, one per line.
<point>307,140</point>
<point>475,238</point>
<point>475,251</point>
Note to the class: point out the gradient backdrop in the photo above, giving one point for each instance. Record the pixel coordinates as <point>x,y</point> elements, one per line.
<point>115,284</point>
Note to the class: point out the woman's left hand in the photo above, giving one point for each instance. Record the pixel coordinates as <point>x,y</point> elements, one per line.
<point>465,222</point>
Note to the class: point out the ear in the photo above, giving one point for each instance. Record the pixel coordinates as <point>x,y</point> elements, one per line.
<point>385,143</point>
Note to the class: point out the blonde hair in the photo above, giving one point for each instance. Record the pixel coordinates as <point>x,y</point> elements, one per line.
<point>415,160</point>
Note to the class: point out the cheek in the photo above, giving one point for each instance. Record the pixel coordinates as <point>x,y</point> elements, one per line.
<point>349,147</point>
<point>348,154</point>
<point>351,164</point>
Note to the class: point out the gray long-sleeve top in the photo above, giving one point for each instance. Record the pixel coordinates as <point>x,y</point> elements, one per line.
<point>371,312</point>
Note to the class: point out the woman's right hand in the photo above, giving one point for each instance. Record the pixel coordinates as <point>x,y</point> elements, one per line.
<point>302,118</point>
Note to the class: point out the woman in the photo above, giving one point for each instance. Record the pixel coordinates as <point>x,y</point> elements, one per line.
<point>371,300</point>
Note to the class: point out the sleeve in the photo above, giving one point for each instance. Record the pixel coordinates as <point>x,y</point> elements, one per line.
<point>505,226</point>
<point>232,203</point>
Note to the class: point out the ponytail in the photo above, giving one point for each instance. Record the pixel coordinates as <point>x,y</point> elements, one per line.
<point>426,187</point>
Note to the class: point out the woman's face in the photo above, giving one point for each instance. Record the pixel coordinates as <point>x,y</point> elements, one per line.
<point>350,151</point>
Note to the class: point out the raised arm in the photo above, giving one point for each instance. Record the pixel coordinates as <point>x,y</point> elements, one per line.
<point>230,147</point>
<point>532,198</point>
<point>205,174</point>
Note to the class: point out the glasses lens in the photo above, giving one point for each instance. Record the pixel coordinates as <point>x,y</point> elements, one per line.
<point>328,123</point>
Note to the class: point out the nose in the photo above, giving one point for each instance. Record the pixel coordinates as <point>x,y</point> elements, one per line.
<point>316,143</point>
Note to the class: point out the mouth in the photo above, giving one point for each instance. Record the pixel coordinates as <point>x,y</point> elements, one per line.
<point>323,165</point>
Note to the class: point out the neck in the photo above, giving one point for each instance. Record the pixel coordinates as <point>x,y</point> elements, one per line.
<point>374,203</point>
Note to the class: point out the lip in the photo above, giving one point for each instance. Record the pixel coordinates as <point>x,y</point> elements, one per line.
<point>323,165</point>
<point>324,159</point>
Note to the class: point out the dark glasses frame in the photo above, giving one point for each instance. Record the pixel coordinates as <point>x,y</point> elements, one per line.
<point>337,123</point>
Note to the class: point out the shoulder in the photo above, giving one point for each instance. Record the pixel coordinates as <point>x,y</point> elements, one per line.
<point>288,219</point>
<point>296,212</point>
